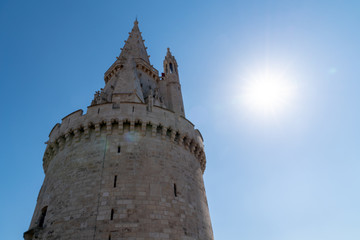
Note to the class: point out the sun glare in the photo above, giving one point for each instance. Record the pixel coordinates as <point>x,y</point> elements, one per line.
<point>268,94</point>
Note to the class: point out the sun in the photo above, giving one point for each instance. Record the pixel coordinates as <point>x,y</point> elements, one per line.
<point>268,93</point>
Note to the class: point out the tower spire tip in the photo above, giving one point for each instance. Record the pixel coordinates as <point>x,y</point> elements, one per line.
<point>136,21</point>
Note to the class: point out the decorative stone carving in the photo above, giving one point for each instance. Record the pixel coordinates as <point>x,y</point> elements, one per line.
<point>99,97</point>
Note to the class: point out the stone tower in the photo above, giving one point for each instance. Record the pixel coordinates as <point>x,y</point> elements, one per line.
<point>131,167</point>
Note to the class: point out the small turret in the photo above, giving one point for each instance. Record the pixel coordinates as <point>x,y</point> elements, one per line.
<point>174,99</point>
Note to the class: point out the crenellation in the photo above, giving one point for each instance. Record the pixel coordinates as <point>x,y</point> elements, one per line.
<point>130,126</point>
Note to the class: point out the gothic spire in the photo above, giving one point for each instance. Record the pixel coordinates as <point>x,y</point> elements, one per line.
<point>134,46</point>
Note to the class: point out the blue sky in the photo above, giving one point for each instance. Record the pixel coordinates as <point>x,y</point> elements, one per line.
<point>291,175</point>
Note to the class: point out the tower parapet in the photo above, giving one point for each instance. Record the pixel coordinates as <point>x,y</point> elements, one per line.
<point>131,167</point>
<point>118,120</point>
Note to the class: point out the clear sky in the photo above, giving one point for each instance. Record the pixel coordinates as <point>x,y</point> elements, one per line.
<point>291,173</point>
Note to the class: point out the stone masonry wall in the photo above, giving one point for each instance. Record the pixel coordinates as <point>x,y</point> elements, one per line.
<point>129,182</point>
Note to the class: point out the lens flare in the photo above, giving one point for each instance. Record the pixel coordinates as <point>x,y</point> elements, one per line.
<point>268,94</point>
<point>132,137</point>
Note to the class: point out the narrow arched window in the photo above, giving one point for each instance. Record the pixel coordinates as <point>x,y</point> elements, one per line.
<point>171,68</point>
<point>119,149</point>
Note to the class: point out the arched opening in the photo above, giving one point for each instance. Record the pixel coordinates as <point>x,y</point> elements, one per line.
<point>171,68</point>
<point>159,129</point>
<point>126,125</point>
<point>148,128</point>
<point>177,137</point>
<point>168,132</point>
<point>137,126</point>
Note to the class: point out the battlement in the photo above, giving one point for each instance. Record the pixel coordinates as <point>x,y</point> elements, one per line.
<point>105,119</point>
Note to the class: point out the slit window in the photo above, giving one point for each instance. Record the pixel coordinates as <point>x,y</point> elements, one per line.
<point>115,180</point>
<point>112,214</point>
<point>119,149</point>
<point>175,190</point>
<point>42,217</point>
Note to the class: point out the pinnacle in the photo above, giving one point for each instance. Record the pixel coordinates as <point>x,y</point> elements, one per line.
<point>168,53</point>
<point>134,46</point>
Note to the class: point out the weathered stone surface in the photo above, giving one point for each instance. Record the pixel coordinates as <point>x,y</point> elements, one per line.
<point>131,167</point>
